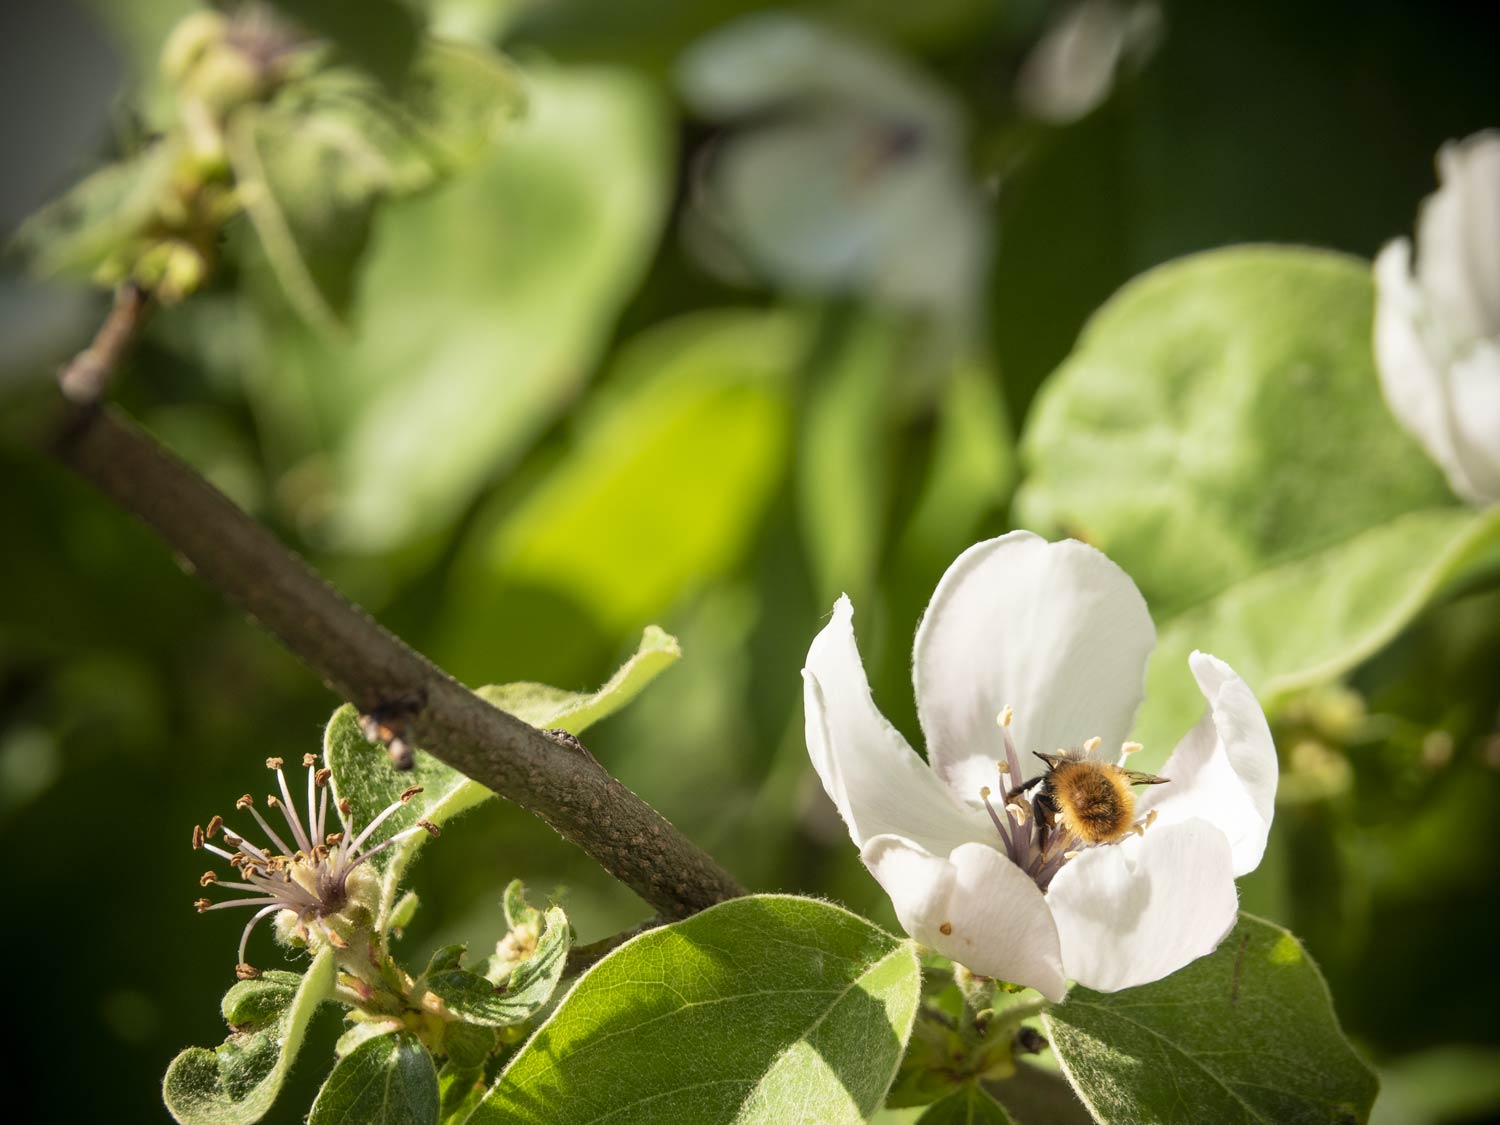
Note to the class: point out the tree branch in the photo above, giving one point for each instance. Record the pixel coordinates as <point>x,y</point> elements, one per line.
<point>375,670</point>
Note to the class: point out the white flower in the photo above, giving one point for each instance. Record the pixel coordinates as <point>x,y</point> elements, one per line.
<point>1437,334</point>
<point>1051,638</point>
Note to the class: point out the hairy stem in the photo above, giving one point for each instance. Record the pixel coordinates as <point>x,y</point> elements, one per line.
<point>364,663</point>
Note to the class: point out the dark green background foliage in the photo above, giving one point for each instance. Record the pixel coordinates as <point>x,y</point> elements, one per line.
<point>647,363</point>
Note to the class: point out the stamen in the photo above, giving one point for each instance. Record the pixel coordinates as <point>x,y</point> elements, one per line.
<point>245,936</point>
<point>1130,747</point>
<point>1092,744</point>
<point>1007,713</point>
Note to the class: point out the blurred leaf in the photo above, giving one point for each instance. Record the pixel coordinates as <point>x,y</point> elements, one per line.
<point>311,167</point>
<point>1247,1033</point>
<point>480,310</point>
<point>528,988</point>
<point>238,1081</point>
<point>459,1088</point>
<point>379,35</point>
<point>363,773</point>
<point>666,482</point>
<point>387,1080</point>
<point>1202,429</point>
<point>1306,622</point>
<point>1459,1082</point>
<point>1201,435</point>
<point>768,1008</point>
<point>99,220</point>
<point>842,474</point>
<point>547,707</point>
<point>968,1105</point>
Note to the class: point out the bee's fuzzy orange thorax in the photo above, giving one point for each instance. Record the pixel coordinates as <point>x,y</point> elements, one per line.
<point>1093,799</point>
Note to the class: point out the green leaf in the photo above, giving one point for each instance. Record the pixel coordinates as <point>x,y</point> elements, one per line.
<point>1246,1034</point>
<point>100,220</point>
<point>665,483</point>
<point>769,1008</point>
<point>459,1088</point>
<point>530,984</point>
<point>842,482</point>
<point>1219,432</point>
<point>968,1105</point>
<point>387,1080</point>
<point>553,708</point>
<point>1306,622</point>
<point>236,1082</point>
<point>1221,414</point>
<point>447,376</point>
<point>363,773</point>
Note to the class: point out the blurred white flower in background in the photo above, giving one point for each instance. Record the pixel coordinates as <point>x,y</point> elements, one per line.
<point>1070,72</point>
<point>1437,330</point>
<point>842,169</point>
<point>1052,640</point>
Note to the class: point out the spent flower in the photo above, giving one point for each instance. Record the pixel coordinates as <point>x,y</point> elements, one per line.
<point>318,884</point>
<point>1020,849</point>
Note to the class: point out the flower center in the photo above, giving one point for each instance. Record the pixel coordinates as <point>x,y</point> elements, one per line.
<point>1079,803</point>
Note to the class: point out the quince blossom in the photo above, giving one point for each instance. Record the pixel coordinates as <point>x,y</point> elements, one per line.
<point>1052,640</point>
<point>1437,333</point>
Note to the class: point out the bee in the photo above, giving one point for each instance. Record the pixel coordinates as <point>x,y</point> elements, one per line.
<point>1090,799</point>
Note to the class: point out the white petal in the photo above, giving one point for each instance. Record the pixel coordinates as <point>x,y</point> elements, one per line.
<point>1054,630</point>
<point>1474,382</point>
<point>876,780</point>
<point>1224,770</point>
<point>1134,912</point>
<point>1413,369</point>
<point>1458,263</point>
<point>997,920</point>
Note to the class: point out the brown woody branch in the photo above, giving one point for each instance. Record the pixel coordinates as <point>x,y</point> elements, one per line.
<point>364,663</point>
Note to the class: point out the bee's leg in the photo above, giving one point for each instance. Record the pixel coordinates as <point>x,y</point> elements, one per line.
<point>1025,785</point>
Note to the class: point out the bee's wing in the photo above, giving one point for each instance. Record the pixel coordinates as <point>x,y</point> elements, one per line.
<point>1138,778</point>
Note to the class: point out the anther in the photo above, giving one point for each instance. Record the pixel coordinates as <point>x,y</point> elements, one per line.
<point>1130,747</point>
<point>1007,713</point>
<point>246,972</point>
<point>344,806</point>
<point>309,760</point>
<point>1004,768</point>
<point>946,928</point>
<point>432,829</point>
<point>1070,855</point>
<point>273,763</point>
<point>320,778</point>
<point>206,878</point>
<point>334,839</point>
<point>1017,812</point>
<point>410,792</point>
<point>272,801</point>
<point>213,826</point>
<point>244,802</point>
<point>202,904</point>
<point>984,791</point>
<point>197,836</point>
<point>1092,744</point>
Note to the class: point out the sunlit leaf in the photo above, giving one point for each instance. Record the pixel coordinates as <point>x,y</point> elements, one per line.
<point>1246,1034</point>
<point>968,1105</point>
<point>387,1080</point>
<point>768,1009</point>
<point>665,482</point>
<point>525,990</point>
<point>237,1082</point>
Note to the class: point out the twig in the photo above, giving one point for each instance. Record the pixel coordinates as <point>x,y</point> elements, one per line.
<point>84,379</point>
<point>372,668</point>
